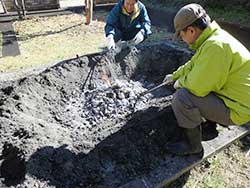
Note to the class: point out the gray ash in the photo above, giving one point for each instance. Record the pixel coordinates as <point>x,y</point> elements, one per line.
<point>103,102</point>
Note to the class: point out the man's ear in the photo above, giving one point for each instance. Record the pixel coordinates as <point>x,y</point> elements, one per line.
<point>195,32</point>
<point>192,29</point>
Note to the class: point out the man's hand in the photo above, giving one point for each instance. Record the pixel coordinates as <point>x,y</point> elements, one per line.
<point>168,79</point>
<point>139,37</point>
<point>110,42</point>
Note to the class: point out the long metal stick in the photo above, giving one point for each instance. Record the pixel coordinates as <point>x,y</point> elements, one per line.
<point>154,88</point>
<point>148,91</point>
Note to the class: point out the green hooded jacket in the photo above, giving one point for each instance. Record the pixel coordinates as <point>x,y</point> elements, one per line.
<point>221,65</point>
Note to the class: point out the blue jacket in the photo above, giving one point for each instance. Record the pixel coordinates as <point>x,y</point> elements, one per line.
<point>119,19</point>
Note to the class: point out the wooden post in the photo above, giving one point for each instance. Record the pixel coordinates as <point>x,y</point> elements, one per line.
<point>88,11</point>
<point>23,9</point>
<point>20,6</point>
<point>4,7</point>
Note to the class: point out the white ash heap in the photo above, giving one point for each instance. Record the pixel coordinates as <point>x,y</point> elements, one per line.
<point>110,102</point>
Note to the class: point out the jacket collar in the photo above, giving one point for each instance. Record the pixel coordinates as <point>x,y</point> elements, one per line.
<point>134,14</point>
<point>213,27</point>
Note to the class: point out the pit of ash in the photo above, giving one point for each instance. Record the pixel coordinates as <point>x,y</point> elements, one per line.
<point>80,124</point>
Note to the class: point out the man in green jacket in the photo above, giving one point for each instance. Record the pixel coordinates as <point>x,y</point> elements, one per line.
<point>214,84</point>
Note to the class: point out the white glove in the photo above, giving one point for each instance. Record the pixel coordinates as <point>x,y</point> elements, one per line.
<point>176,84</point>
<point>110,42</point>
<point>168,79</point>
<point>118,46</point>
<point>139,37</point>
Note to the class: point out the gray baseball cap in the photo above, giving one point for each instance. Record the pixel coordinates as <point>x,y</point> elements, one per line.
<point>186,16</point>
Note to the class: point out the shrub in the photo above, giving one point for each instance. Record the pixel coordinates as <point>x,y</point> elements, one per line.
<point>209,3</point>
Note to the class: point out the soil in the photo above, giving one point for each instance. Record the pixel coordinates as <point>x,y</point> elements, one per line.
<point>44,131</point>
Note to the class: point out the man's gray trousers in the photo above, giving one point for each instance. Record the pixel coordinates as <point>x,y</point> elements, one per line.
<point>190,110</point>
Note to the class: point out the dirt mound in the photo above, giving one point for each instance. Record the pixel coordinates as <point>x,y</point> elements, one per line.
<point>74,124</point>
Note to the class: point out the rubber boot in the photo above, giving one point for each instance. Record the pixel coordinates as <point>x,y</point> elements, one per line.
<point>190,145</point>
<point>209,130</point>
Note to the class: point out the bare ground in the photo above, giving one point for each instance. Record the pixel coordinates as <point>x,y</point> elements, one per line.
<point>46,40</point>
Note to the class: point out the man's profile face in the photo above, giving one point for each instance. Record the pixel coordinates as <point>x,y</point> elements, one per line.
<point>129,5</point>
<point>189,35</point>
<point>186,36</point>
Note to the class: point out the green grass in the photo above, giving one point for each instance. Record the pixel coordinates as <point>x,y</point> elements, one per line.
<point>210,178</point>
<point>213,178</point>
<point>213,181</point>
<point>158,34</point>
<point>228,13</point>
<point>231,14</point>
<point>169,6</point>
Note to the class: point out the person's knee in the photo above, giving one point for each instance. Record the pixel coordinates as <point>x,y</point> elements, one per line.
<point>181,96</point>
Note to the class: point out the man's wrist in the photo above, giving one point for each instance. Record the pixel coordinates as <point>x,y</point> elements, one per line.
<point>110,36</point>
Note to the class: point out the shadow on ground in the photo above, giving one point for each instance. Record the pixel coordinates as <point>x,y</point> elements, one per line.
<point>131,152</point>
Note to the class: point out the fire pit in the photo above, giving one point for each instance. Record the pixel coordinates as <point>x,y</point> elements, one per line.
<point>76,123</point>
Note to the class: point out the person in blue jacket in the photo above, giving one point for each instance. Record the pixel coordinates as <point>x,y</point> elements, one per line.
<point>127,21</point>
